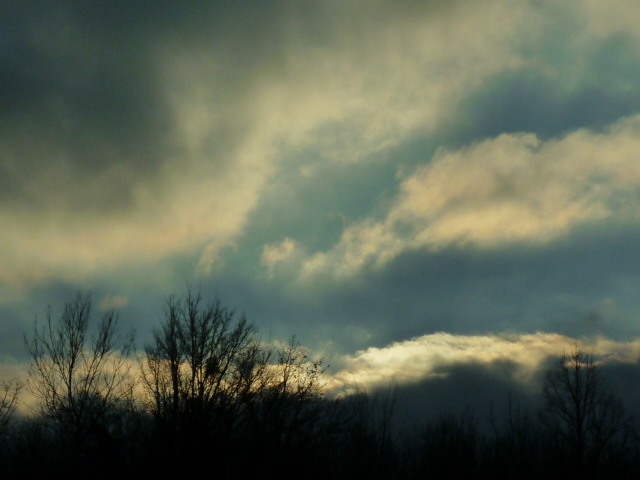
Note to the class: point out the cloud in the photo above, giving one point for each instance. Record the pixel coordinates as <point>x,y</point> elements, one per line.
<point>430,356</point>
<point>512,189</point>
<point>159,142</point>
<point>275,255</point>
<point>115,302</point>
<point>617,17</point>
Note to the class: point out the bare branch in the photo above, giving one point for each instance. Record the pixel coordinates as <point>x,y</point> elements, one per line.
<point>78,380</point>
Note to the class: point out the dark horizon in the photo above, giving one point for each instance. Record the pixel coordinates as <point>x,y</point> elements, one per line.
<point>208,397</point>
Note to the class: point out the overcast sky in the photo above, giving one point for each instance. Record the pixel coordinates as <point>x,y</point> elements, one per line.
<point>409,187</point>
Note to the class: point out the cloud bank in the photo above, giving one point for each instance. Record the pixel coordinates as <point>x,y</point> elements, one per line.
<point>514,188</point>
<point>432,356</point>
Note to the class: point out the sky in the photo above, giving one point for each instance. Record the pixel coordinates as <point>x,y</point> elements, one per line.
<point>423,192</point>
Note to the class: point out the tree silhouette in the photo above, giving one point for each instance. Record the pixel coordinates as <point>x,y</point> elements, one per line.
<point>369,438</point>
<point>198,373</point>
<point>216,400</point>
<point>9,391</point>
<point>214,389</point>
<point>450,446</point>
<point>584,418</point>
<point>78,376</point>
<point>286,420</point>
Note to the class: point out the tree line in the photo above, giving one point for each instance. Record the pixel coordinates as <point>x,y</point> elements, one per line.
<point>206,397</point>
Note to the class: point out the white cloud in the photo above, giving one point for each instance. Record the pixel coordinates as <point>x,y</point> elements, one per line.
<point>614,17</point>
<point>513,188</point>
<point>376,79</point>
<point>421,358</point>
<point>278,255</point>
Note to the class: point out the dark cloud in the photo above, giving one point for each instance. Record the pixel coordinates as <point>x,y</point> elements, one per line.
<point>314,209</point>
<point>572,287</point>
<point>481,389</point>
<point>488,389</point>
<point>80,107</point>
<point>623,379</point>
<point>17,317</point>
<point>552,288</point>
<point>13,326</point>
<point>582,287</point>
<point>530,103</point>
<point>592,95</point>
<point>82,100</point>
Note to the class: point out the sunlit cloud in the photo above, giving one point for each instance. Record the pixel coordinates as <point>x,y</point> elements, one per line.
<point>510,189</point>
<point>616,17</point>
<point>279,254</point>
<point>422,358</point>
<point>354,94</point>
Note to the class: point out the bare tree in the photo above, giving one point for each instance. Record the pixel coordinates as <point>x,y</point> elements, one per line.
<point>79,376</point>
<point>284,403</point>
<point>9,391</point>
<point>211,383</point>
<point>199,372</point>
<point>581,413</point>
